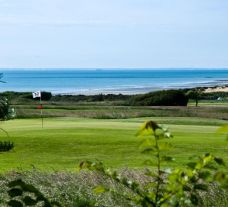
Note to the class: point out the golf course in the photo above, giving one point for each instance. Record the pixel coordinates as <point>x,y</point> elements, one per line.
<point>70,147</point>
<point>64,142</point>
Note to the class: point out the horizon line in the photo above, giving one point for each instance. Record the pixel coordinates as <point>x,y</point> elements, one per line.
<point>113,68</point>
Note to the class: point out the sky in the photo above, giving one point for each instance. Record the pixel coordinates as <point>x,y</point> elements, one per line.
<point>113,33</point>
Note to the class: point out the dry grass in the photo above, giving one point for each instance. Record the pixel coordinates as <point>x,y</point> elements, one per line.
<point>72,189</point>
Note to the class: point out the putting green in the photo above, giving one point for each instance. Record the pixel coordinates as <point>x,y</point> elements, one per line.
<point>64,142</point>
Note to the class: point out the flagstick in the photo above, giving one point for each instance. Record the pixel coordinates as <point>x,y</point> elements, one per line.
<point>41,112</point>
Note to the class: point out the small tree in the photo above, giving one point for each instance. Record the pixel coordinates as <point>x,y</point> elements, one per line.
<point>195,95</point>
<point>6,112</point>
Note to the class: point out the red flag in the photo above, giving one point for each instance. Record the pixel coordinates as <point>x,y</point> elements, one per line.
<point>40,107</point>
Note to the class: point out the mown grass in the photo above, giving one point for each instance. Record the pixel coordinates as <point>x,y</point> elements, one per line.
<point>64,142</point>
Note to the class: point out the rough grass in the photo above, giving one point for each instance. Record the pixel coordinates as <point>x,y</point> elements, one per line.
<point>77,189</point>
<point>104,111</point>
<point>64,142</point>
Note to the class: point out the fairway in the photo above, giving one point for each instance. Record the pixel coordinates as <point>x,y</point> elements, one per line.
<point>64,142</point>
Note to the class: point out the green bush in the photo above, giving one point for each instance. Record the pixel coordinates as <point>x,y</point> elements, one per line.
<point>4,107</point>
<point>91,98</point>
<point>6,112</point>
<point>6,146</point>
<point>161,98</point>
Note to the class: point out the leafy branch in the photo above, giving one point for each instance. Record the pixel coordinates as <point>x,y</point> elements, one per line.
<point>165,187</point>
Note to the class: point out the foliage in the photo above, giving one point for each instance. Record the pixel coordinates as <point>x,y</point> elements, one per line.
<point>194,94</point>
<point>177,187</point>
<point>6,146</point>
<point>22,194</point>
<point>6,112</point>
<point>161,98</point>
<point>213,95</point>
<point>12,95</point>
<point>91,98</point>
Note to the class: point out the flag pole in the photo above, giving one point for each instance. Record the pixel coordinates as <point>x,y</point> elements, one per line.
<point>41,111</point>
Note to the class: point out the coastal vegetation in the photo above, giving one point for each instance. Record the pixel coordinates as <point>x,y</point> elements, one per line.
<point>162,98</point>
<point>111,106</point>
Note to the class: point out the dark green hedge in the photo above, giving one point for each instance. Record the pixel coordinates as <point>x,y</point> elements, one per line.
<point>161,98</point>
<point>46,96</point>
<point>91,98</point>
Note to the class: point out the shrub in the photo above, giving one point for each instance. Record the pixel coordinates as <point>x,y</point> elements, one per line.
<point>6,146</point>
<point>161,98</point>
<point>4,107</point>
<point>6,112</point>
<point>99,97</point>
<point>194,94</point>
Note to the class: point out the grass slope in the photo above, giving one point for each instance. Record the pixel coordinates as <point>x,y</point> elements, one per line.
<point>64,142</point>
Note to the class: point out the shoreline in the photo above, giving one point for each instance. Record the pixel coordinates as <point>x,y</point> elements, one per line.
<point>100,81</point>
<point>131,91</point>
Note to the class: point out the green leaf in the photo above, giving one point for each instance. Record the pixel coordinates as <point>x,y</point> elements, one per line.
<point>15,203</point>
<point>146,143</point>
<point>210,166</point>
<point>204,174</point>
<point>220,176</point>
<point>15,192</point>
<point>219,161</point>
<point>148,128</point>
<point>99,189</point>
<point>165,146</point>
<point>192,165</point>
<point>207,158</point>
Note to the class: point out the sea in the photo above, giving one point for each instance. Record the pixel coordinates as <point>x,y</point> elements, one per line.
<point>108,81</point>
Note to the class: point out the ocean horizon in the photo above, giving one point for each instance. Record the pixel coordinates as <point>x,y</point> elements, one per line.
<point>109,81</point>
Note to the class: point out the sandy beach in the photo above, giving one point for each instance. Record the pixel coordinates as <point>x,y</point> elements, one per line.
<point>216,89</point>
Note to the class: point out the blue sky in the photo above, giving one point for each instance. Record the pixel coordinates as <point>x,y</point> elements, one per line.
<point>113,33</point>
